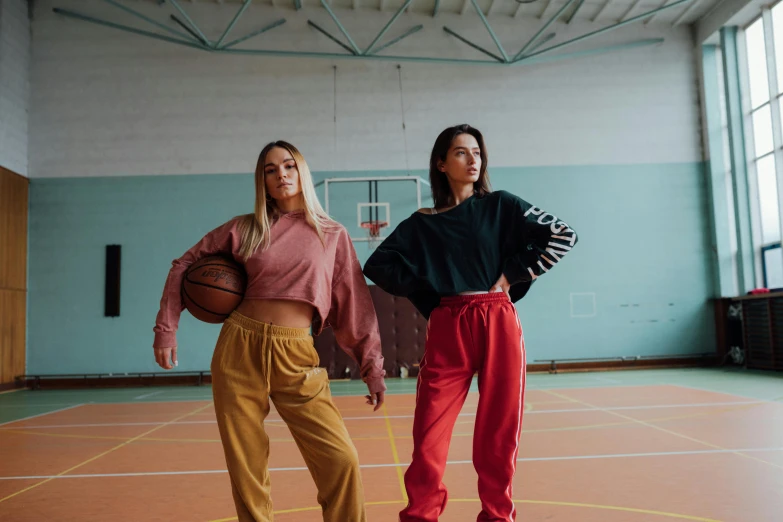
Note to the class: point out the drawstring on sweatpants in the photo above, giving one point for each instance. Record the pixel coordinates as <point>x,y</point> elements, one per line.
<point>459,304</point>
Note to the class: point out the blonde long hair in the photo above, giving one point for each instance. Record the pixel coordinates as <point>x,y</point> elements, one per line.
<point>255,228</point>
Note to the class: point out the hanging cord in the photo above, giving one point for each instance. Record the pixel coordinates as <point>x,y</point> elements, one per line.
<point>334,115</point>
<point>402,114</point>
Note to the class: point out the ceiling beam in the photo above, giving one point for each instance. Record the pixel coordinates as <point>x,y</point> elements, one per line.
<point>573,13</point>
<point>721,15</point>
<point>630,10</point>
<point>541,31</point>
<point>601,11</point>
<point>600,31</point>
<point>492,5</point>
<point>542,56</point>
<point>649,20</point>
<point>686,13</point>
<point>549,3</point>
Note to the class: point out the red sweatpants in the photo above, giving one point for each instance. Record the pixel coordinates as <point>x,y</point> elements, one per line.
<point>468,334</point>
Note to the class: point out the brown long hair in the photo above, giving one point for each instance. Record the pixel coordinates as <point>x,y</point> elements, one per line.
<point>439,183</point>
<point>254,228</point>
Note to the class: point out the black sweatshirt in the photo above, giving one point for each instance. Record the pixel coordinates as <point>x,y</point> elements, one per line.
<point>467,248</point>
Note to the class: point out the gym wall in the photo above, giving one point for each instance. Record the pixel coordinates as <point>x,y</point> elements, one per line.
<point>149,145</point>
<point>14,84</point>
<point>14,104</point>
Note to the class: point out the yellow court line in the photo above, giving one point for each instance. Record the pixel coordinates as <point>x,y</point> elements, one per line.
<point>386,436</point>
<point>539,502</point>
<point>600,506</point>
<point>671,432</point>
<point>395,455</point>
<point>104,453</point>
<point>525,431</point>
<point>63,435</point>
<point>102,437</point>
<point>12,391</point>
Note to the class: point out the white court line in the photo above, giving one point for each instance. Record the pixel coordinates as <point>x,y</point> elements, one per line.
<point>654,454</point>
<point>148,395</point>
<point>533,412</point>
<point>391,391</point>
<point>607,379</point>
<point>651,407</point>
<point>108,424</point>
<point>41,414</point>
<point>34,405</point>
<point>403,464</point>
<point>771,400</point>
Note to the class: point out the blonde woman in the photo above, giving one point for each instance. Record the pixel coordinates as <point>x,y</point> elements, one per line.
<point>302,273</point>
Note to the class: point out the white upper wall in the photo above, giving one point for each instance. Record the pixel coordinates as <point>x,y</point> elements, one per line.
<point>110,103</point>
<point>14,84</point>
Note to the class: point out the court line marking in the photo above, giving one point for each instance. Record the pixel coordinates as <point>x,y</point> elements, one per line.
<point>470,414</point>
<point>148,395</point>
<point>42,414</point>
<point>395,455</point>
<point>146,439</point>
<point>539,502</point>
<point>774,400</point>
<point>42,405</point>
<point>407,386</point>
<point>11,391</point>
<point>360,391</point>
<point>399,465</point>
<point>407,389</point>
<point>739,407</point>
<point>742,406</point>
<point>113,425</point>
<point>665,430</point>
<point>100,455</point>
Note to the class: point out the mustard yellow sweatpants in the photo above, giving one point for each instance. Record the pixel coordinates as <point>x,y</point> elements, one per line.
<point>254,362</point>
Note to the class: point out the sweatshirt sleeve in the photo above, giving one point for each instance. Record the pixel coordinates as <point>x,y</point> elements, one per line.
<point>537,241</point>
<point>353,319</point>
<point>220,240</point>
<point>391,265</point>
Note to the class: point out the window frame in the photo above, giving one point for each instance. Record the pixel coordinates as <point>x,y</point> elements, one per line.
<point>774,103</point>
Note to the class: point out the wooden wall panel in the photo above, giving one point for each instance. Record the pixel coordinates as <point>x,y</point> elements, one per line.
<point>13,274</point>
<point>13,307</point>
<point>13,230</point>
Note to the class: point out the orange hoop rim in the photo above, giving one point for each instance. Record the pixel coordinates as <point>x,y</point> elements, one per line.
<point>374,227</point>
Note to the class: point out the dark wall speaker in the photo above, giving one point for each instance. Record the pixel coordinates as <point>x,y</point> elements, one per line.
<point>112,301</point>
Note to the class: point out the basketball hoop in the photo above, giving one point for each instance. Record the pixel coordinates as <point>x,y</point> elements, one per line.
<point>374,231</point>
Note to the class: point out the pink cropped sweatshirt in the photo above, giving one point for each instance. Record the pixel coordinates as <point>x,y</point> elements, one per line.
<point>296,266</point>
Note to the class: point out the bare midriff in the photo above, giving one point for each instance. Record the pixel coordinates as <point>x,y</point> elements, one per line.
<point>280,312</point>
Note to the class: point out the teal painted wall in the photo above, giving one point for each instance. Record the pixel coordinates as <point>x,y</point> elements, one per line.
<point>643,254</point>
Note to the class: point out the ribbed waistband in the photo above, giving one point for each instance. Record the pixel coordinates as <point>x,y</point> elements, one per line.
<point>272,330</point>
<point>490,297</point>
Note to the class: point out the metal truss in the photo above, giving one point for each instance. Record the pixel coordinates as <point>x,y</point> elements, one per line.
<point>530,52</point>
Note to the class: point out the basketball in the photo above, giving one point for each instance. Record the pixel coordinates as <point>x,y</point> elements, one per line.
<point>213,287</point>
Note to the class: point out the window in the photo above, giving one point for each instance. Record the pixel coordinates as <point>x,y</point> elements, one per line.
<point>765,85</point>
<point>762,130</point>
<point>768,200</point>
<point>757,64</point>
<point>777,29</point>
<point>772,261</point>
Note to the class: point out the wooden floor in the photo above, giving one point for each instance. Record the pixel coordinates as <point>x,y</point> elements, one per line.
<point>699,445</point>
